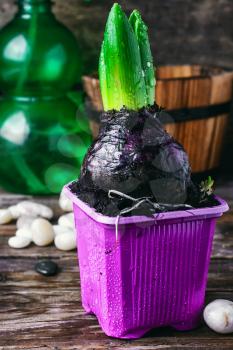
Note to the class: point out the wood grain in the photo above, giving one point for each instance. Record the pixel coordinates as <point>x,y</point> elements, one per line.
<point>180,87</point>
<point>202,139</point>
<point>181,32</point>
<point>38,312</point>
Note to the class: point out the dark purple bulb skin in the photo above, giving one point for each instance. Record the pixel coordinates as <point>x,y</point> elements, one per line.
<point>135,155</point>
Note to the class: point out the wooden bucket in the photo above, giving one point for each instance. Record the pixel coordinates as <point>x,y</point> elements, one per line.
<point>197,100</point>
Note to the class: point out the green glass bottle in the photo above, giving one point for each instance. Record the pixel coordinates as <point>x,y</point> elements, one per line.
<point>42,136</point>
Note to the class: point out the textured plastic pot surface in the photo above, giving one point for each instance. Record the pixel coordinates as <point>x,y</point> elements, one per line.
<point>154,275</point>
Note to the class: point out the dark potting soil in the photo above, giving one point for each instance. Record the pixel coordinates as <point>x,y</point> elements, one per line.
<point>134,155</point>
<point>100,201</point>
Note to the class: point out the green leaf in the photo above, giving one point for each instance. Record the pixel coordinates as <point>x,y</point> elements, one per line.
<point>206,187</point>
<point>141,32</point>
<point>121,76</point>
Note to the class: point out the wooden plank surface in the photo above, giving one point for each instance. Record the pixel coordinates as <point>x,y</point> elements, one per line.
<point>46,313</point>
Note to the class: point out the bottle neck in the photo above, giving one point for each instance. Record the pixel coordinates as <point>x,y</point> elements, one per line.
<point>28,7</point>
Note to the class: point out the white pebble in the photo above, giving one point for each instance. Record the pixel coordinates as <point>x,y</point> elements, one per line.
<point>66,220</point>
<point>18,242</point>
<point>65,203</point>
<point>5,216</point>
<point>65,241</point>
<point>31,209</point>
<point>61,229</point>
<point>218,315</point>
<point>14,211</point>
<point>42,232</point>
<point>24,232</point>
<point>25,221</point>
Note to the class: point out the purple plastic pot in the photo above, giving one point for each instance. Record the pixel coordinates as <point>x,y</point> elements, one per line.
<point>155,275</point>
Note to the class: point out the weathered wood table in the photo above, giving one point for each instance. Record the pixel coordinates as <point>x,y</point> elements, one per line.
<point>39,312</point>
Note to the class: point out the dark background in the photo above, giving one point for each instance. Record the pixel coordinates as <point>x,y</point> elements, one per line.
<point>181,31</point>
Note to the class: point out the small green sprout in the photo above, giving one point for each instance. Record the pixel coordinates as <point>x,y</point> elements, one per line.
<point>206,187</point>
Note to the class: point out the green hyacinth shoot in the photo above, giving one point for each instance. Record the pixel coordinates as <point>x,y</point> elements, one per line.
<point>126,69</point>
